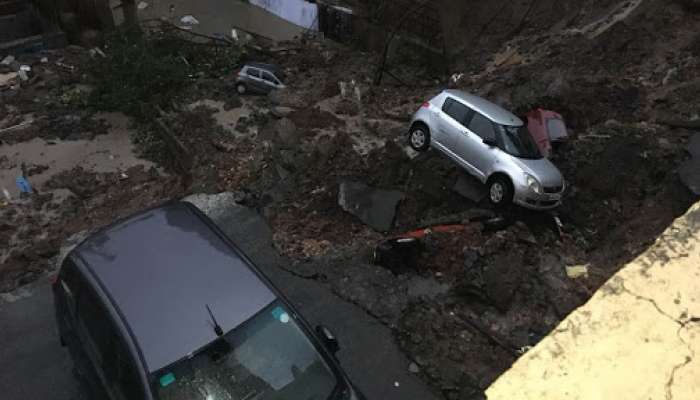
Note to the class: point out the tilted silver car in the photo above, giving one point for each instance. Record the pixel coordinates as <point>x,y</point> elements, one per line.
<point>490,143</point>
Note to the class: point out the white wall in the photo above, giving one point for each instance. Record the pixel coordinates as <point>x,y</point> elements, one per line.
<point>298,12</point>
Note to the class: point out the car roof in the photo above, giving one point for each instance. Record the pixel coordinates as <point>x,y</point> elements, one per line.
<point>160,269</point>
<point>269,67</point>
<point>490,110</point>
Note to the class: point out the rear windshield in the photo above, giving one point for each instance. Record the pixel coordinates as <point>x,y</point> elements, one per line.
<point>556,129</point>
<point>267,358</point>
<point>517,141</point>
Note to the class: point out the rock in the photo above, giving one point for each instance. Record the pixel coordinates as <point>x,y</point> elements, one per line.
<point>282,132</point>
<point>523,233</point>
<point>471,256</point>
<point>374,207</point>
<point>577,271</point>
<point>426,288</point>
<point>694,145</point>
<point>7,60</point>
<point>689,173</point>
<point>281,111</point>
<point>502,277</point>
<point>469,187</point>
<point>665,144</point>
<point>413,368</point>
<point>90,38</point>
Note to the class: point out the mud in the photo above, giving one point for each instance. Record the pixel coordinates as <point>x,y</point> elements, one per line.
<point>475,298</point>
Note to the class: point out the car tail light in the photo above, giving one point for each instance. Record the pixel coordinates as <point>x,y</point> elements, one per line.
<point>425,105</point>
<point>53,279</point>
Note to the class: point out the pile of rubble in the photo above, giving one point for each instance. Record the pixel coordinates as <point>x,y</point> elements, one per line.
<point>408,237</point>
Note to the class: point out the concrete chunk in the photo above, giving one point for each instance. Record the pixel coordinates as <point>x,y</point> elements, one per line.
<point>694,145</point>
<point>374,207</point>
<point>689,173</point>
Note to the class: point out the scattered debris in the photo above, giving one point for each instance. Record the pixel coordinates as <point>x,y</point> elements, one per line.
<point>142,5</point>
<point>96,51</point>
<point>23,185</point>
<point>189,20</point>
<point>374,207</point>
<point>67,67</point>
<point>18,126</point>
<point>7,60</point>
<point>6,79</point>
<point>577,271</point>
<point>413,368</point>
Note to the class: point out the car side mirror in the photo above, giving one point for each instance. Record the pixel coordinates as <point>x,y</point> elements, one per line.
<point>328,338</point>
<point>490,142</point>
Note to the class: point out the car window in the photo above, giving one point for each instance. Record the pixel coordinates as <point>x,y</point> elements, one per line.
<point>482,126</point>
<point>518,141</point>
<point>255,73</point>
<point>269,77</point>
<point>109,350</point>
<point>556,129</point>
<point>458,111</point>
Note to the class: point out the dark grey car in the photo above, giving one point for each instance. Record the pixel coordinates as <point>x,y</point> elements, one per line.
<point>162,305</point>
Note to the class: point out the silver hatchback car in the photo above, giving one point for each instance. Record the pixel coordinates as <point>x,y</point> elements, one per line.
<point>490,143</point>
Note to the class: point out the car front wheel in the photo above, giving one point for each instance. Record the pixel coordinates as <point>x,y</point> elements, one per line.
<point>419,137</point>
<point>500,191</point>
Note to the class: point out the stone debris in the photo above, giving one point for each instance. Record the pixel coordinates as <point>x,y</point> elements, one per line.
<point>374,207</point>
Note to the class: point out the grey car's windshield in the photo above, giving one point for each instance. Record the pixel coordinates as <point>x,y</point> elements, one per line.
<point>267,358</point>
<point>517,141</point>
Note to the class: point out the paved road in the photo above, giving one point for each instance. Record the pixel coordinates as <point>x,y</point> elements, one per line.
<point>34,366</point>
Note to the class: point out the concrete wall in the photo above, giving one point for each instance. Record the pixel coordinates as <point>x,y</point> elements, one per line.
<point>638,337</point>
<point>298,12</point>
<point>216,16</point>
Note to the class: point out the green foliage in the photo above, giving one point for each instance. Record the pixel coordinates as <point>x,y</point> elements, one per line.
<point>143,70</point>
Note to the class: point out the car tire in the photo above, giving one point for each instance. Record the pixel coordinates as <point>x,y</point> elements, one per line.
<point>500,191</point>
<point>241,88</point>
<point>419,137</point>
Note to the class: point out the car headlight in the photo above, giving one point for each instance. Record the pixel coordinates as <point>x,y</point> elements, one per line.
<point>533,184</point>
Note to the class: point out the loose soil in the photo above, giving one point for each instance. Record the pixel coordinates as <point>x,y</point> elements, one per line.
<point>476,298</point>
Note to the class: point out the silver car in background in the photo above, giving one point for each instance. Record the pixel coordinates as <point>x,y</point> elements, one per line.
<point>490,143</point>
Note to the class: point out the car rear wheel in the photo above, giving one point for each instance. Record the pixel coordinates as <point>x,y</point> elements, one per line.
<point>500,191</point>
<point>419,137</point>
<point>241,88</point>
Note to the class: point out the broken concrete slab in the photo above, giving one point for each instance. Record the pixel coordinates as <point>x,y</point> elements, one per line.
<point>694,145</point>
<point>374,207</point>
<point>689,173</point>
<point>470,187</point>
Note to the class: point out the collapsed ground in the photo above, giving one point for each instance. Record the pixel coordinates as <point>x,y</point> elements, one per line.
<point>498,284</point>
